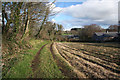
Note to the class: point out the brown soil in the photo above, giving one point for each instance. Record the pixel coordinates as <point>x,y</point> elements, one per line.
<point>91,66</point>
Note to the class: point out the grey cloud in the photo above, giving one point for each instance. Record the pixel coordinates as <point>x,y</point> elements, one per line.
<point>95,10</point>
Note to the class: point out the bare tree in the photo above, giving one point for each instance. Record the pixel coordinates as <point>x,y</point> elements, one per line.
<point>87,32</point>
<point>113,28</point>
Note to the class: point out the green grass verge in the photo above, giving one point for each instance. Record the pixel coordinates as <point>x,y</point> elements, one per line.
<point>47,67</point>
<point>66,34</point>
<point>22,69</point>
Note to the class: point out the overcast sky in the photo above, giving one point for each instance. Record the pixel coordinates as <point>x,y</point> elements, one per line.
<point>86,12</point>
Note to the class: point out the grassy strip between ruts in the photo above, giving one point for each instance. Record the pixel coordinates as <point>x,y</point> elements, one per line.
<point>22,69</point>
<point>47,67</point>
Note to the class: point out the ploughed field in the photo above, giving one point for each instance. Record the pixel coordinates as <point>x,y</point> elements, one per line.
<point>92,60</point>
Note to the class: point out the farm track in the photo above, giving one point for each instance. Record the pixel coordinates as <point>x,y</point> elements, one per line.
<point>36,61</point>
<point>69,73</point>
<point>60,64</point>
<point>91,66</point>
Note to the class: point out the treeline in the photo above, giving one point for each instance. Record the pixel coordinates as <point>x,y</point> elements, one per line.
<point>23,20</point>
<point>86,32</point>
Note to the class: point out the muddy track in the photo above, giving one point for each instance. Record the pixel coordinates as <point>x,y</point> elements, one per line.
<point>36,61</point>
<point>62,67</point>
<point>89,67</point>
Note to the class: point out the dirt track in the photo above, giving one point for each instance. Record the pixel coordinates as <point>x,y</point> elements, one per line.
<point>63,68</point>
<point>84,64</point>
<point>36,61</point>
<point>90,66</point>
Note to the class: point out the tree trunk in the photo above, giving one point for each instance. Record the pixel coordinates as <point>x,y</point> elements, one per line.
<point>3,16</point>
<point>26,29</point>
<point>46,15</point>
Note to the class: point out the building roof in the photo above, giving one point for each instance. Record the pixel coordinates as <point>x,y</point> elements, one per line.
<point>99,33</point>
<point>109,34</point>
